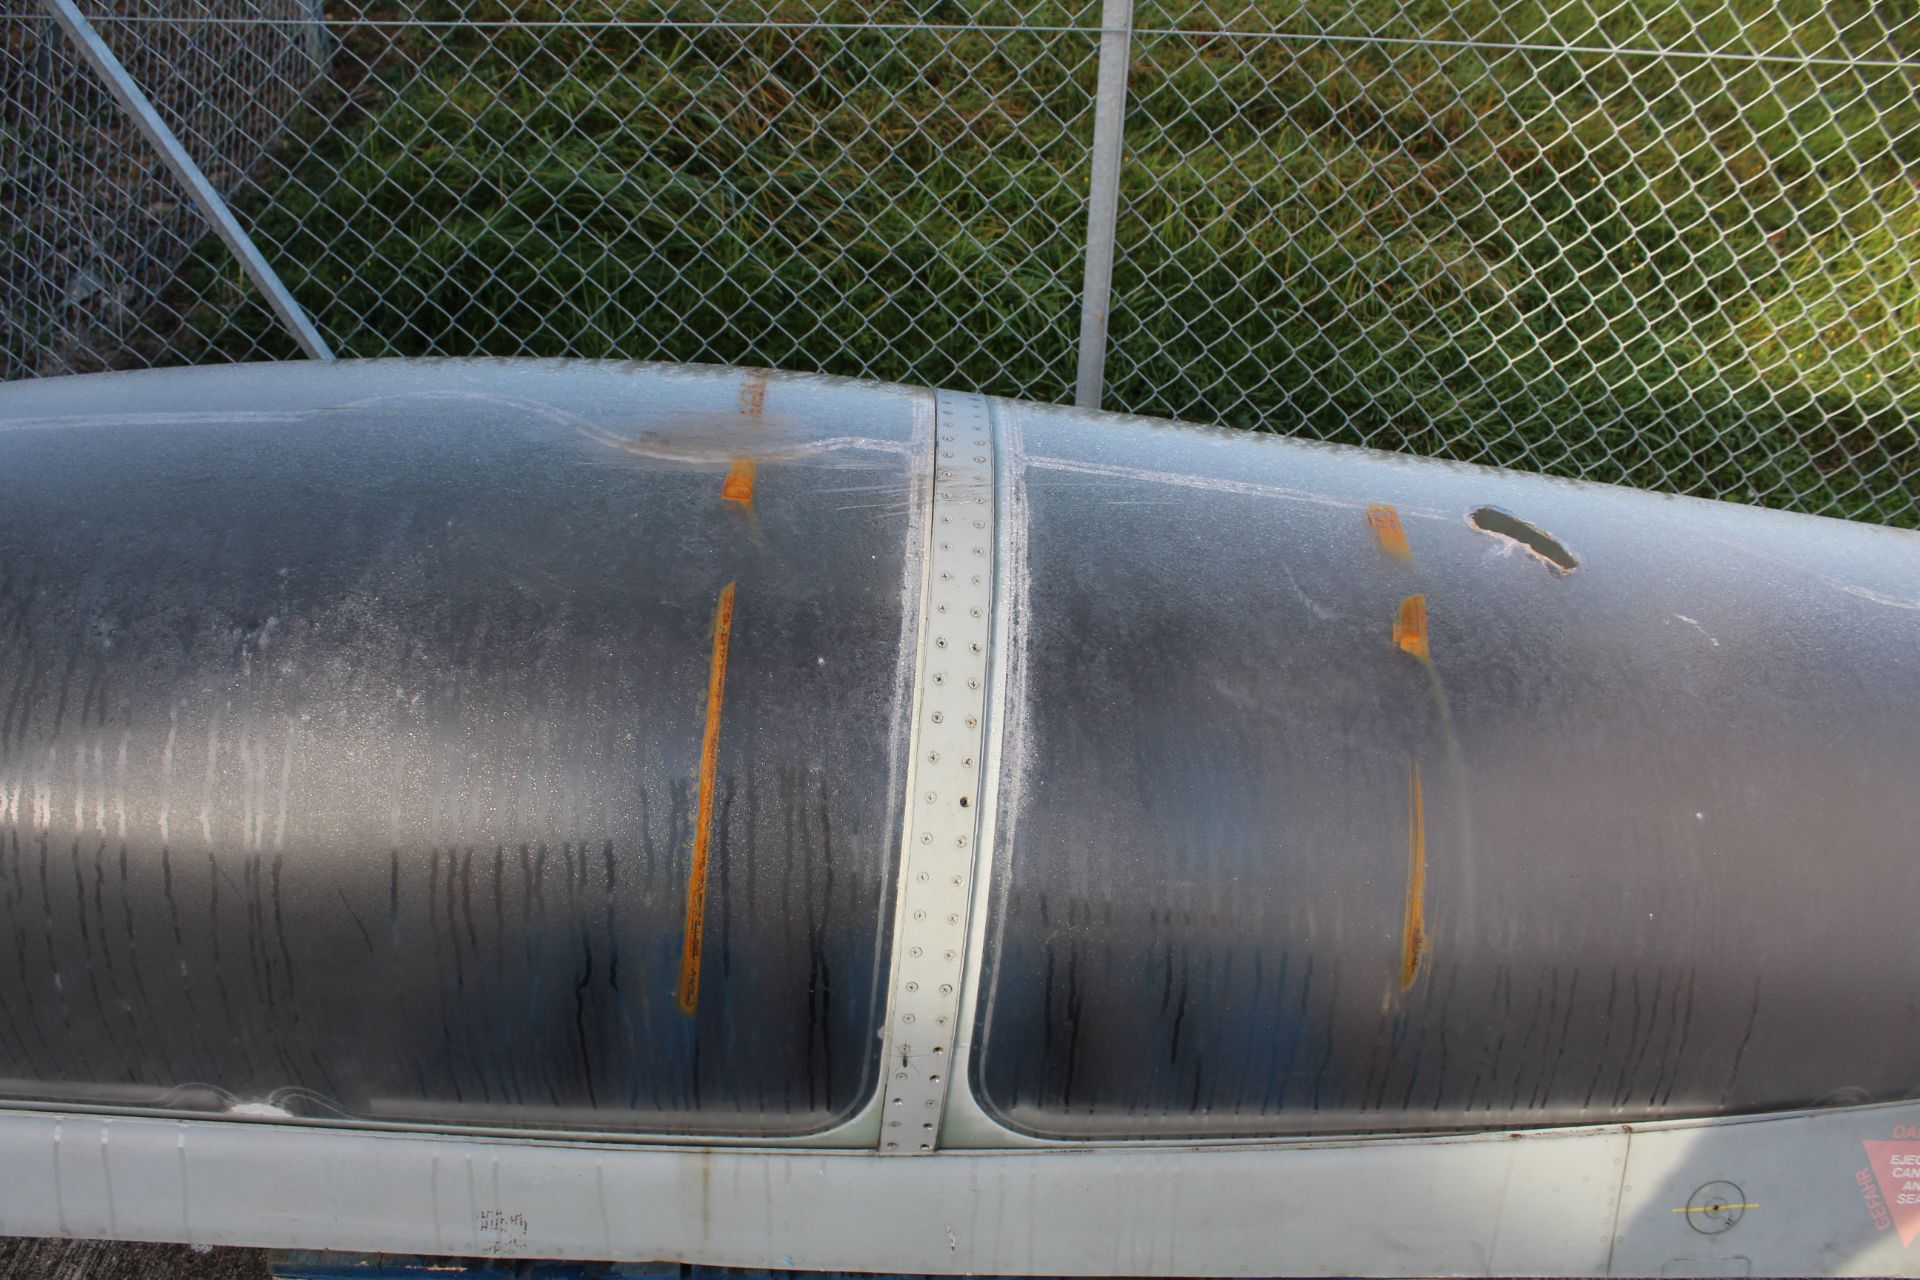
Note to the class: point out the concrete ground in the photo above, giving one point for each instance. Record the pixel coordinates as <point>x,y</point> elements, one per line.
<point>95,1260</point>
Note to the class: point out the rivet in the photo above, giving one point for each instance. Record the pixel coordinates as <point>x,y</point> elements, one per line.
<point>915,951</point>
<point>938,716</point>
<point>946,989</point>
<point>926,837</point>
<point>905,1017</point>
<point>919,915</point>
<point>913,986</point>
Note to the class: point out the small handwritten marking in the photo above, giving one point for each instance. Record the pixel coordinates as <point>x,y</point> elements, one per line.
<point>753,397</point>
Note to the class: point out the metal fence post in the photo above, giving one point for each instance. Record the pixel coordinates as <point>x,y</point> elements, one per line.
<point>135,103</point>
<point>1103,196</point>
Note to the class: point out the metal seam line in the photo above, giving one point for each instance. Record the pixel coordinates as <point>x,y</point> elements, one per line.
<point>943,804</point>
<point>106,65</point>
<point>1103,197</point>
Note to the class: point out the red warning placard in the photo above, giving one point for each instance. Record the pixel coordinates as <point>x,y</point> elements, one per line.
<point>1896,1173</point>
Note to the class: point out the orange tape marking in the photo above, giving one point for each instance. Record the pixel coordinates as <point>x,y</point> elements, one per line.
<point>688,994</point>
<point>1413,931</point>
<point>1410,628</point>
<point>738,486</point>
<point>1385,522</point>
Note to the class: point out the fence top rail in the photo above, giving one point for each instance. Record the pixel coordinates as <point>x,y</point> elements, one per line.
<point>1548,48</point>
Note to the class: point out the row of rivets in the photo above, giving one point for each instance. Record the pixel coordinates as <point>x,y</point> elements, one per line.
<point>944,817</point>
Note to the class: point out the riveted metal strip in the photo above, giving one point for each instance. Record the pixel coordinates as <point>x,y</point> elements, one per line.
<point>943,810</point>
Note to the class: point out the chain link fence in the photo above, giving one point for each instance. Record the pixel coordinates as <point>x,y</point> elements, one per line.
<point>1669,243</point>
<point>98,234</point>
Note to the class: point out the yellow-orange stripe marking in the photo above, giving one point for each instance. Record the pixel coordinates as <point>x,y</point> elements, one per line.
<point>1413,931</point>
<point>1713,1208</point>
<point>689,989</point>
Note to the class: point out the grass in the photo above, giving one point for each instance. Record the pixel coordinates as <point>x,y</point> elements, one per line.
<point>1431,227</point>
